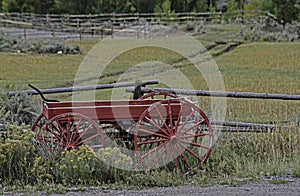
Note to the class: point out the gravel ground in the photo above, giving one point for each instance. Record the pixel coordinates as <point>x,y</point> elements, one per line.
<point>264,187</point>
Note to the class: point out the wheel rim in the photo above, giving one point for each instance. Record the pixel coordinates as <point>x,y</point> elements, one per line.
<point>180,138</point>
<point>69,131</point>
<point>159,95</point>
<point>38,123</point>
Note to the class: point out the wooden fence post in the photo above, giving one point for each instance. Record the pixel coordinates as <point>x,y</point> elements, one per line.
<point>25,35</point>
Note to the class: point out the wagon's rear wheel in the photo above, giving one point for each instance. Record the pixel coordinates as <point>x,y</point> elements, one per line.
<point>38,123</point>
<point>69,131</point>
<point>173,133</point>
<point>159,95</point>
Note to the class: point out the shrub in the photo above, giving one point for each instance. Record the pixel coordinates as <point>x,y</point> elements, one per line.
<point>16,156</point>
<point>13,44</point>
<point>20,108</point>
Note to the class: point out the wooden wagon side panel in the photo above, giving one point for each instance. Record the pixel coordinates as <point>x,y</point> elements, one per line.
<point>106,111</point>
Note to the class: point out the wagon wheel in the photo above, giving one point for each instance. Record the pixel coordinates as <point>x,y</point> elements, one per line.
<point>69,131</point>
<point>159,94</point>
<point>177,136</point>
<point>38,123</point>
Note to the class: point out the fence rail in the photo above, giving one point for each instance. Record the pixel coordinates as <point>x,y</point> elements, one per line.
<point>106,24</point>
<point>245,95</point>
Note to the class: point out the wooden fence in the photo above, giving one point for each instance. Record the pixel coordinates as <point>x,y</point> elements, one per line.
<point>100,25</point>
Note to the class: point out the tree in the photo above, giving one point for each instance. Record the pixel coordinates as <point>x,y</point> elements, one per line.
<point>201,6</point>
<point>145,6</point>
<point>164,7</point>
<point>267,5</point>
<point>285,11</point>
<point>232,6</point>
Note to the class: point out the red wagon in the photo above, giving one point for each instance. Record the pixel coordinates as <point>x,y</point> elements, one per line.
<point>160,128</point>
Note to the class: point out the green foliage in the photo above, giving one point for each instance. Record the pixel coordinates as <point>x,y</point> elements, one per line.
<point>286,11</point>
<point>262,33</point>
<point>18,109</point>
<point>79,166</point>
<point>253,154</point>
<point>232,6</point>
<point>12,44</point>
<point>254,5</point>
<point>16,155</point>
<point>267,5</point>
<point>201,6</point>
<point>164,7</point>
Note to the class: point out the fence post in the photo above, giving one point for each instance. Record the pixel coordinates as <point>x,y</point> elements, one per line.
<point>112,30</point>
<point>25,35</point>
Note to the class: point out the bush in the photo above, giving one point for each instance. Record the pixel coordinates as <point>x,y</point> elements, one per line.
<point>271,33</point>
<point>16,156</point>
<point>18,45</point>
<point>18,109</point>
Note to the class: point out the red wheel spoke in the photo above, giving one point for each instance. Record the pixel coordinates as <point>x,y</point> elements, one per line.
<point>175,157</point>
<point>52,132</point>
<point>178,118</point>
<point>192,127</point>
<point>59,128</point>
<point>155,125</point>
<point>191,152</point>
<point>154,149</point>
<point>169,152</point>
<point>76,132</point>
<point>69,130</point>
<point>152,141</point>
<point>84,131</point>
<point>186,120</point>
<point>163,120</point>
<point>153,133</point>
<point>160,155</point>
<point>194,144</point>
<point>194,135</point>
<point>89,138</point>
<point>170,116</point>
<point>182,154</point>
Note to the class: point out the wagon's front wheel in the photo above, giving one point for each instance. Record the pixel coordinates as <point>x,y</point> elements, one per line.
<point>173,133</point>
<point>69,131</point>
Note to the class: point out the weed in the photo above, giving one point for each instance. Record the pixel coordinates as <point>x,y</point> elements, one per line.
<point>279,182</point>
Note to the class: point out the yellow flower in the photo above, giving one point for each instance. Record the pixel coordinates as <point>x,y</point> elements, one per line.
<point>75,166</point>
<point>63,166</point>
<point>71,161</point>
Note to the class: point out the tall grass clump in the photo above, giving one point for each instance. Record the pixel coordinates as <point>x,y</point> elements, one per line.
<point>256,154</point>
